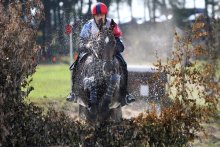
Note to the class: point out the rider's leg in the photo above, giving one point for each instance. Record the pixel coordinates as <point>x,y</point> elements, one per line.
<point>129,97</point>
<point>73,67</point>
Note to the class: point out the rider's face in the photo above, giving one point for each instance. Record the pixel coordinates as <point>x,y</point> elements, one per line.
<point>99,17</point>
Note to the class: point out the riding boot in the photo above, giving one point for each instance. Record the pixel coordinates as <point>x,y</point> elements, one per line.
<point>129,98</point>
<point>71,96</point>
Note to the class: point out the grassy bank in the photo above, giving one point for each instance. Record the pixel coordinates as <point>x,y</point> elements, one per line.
<point>50,82</point>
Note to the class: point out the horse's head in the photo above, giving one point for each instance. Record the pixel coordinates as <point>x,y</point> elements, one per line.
<point>107,42</point>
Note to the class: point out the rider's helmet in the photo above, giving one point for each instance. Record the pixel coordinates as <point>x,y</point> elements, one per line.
<point>99,8</point>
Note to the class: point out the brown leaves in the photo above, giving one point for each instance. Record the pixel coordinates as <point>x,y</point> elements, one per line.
<point>197,26</point>
<point>193,89</point>
<point>17,40</point>
<point>199,51</point>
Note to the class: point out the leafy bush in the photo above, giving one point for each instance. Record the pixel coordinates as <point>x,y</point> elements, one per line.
<point>17,52</point>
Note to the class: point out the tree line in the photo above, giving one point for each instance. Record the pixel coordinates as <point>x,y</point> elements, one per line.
<point>58,13</point>
<point>61,12</point>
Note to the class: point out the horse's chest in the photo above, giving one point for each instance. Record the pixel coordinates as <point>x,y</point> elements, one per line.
<point>102,70</point>
<point>97,70</point>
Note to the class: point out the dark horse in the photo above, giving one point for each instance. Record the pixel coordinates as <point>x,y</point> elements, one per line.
<point>100,81</point>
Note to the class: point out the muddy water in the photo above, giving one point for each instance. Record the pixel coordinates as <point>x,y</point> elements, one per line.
<point>129,111</point>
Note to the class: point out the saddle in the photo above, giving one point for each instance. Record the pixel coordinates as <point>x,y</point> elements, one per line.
<point>81,57</point>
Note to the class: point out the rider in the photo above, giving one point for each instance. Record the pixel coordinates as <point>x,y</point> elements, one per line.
<point>90,30</point>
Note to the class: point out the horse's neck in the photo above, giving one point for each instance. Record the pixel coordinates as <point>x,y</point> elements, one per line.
<point>108,50</point>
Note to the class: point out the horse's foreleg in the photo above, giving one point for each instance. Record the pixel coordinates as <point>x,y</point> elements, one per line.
<point>90,85</point>
<point>113,83</point>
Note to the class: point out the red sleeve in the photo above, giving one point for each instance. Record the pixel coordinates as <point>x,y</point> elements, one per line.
<point>117,31</point>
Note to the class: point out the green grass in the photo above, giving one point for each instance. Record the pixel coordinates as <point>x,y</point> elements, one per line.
<point>218,69</point>
<point>50,82</point>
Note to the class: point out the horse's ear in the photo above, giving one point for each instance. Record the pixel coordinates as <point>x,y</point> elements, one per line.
<point>112,24</point>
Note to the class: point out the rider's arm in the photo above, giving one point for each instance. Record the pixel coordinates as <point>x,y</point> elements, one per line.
<point>84,37</point>
<point>118,33</point>
<point>83,45</point>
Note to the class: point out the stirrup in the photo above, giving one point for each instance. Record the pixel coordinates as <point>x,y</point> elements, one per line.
<point>129,98</point>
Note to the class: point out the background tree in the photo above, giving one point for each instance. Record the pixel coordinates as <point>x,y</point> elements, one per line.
<point>131,10</point>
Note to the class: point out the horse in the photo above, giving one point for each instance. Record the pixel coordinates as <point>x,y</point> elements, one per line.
<point>100,81</point>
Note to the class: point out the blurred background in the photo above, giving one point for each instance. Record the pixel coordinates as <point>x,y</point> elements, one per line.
<point>148,26</point>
